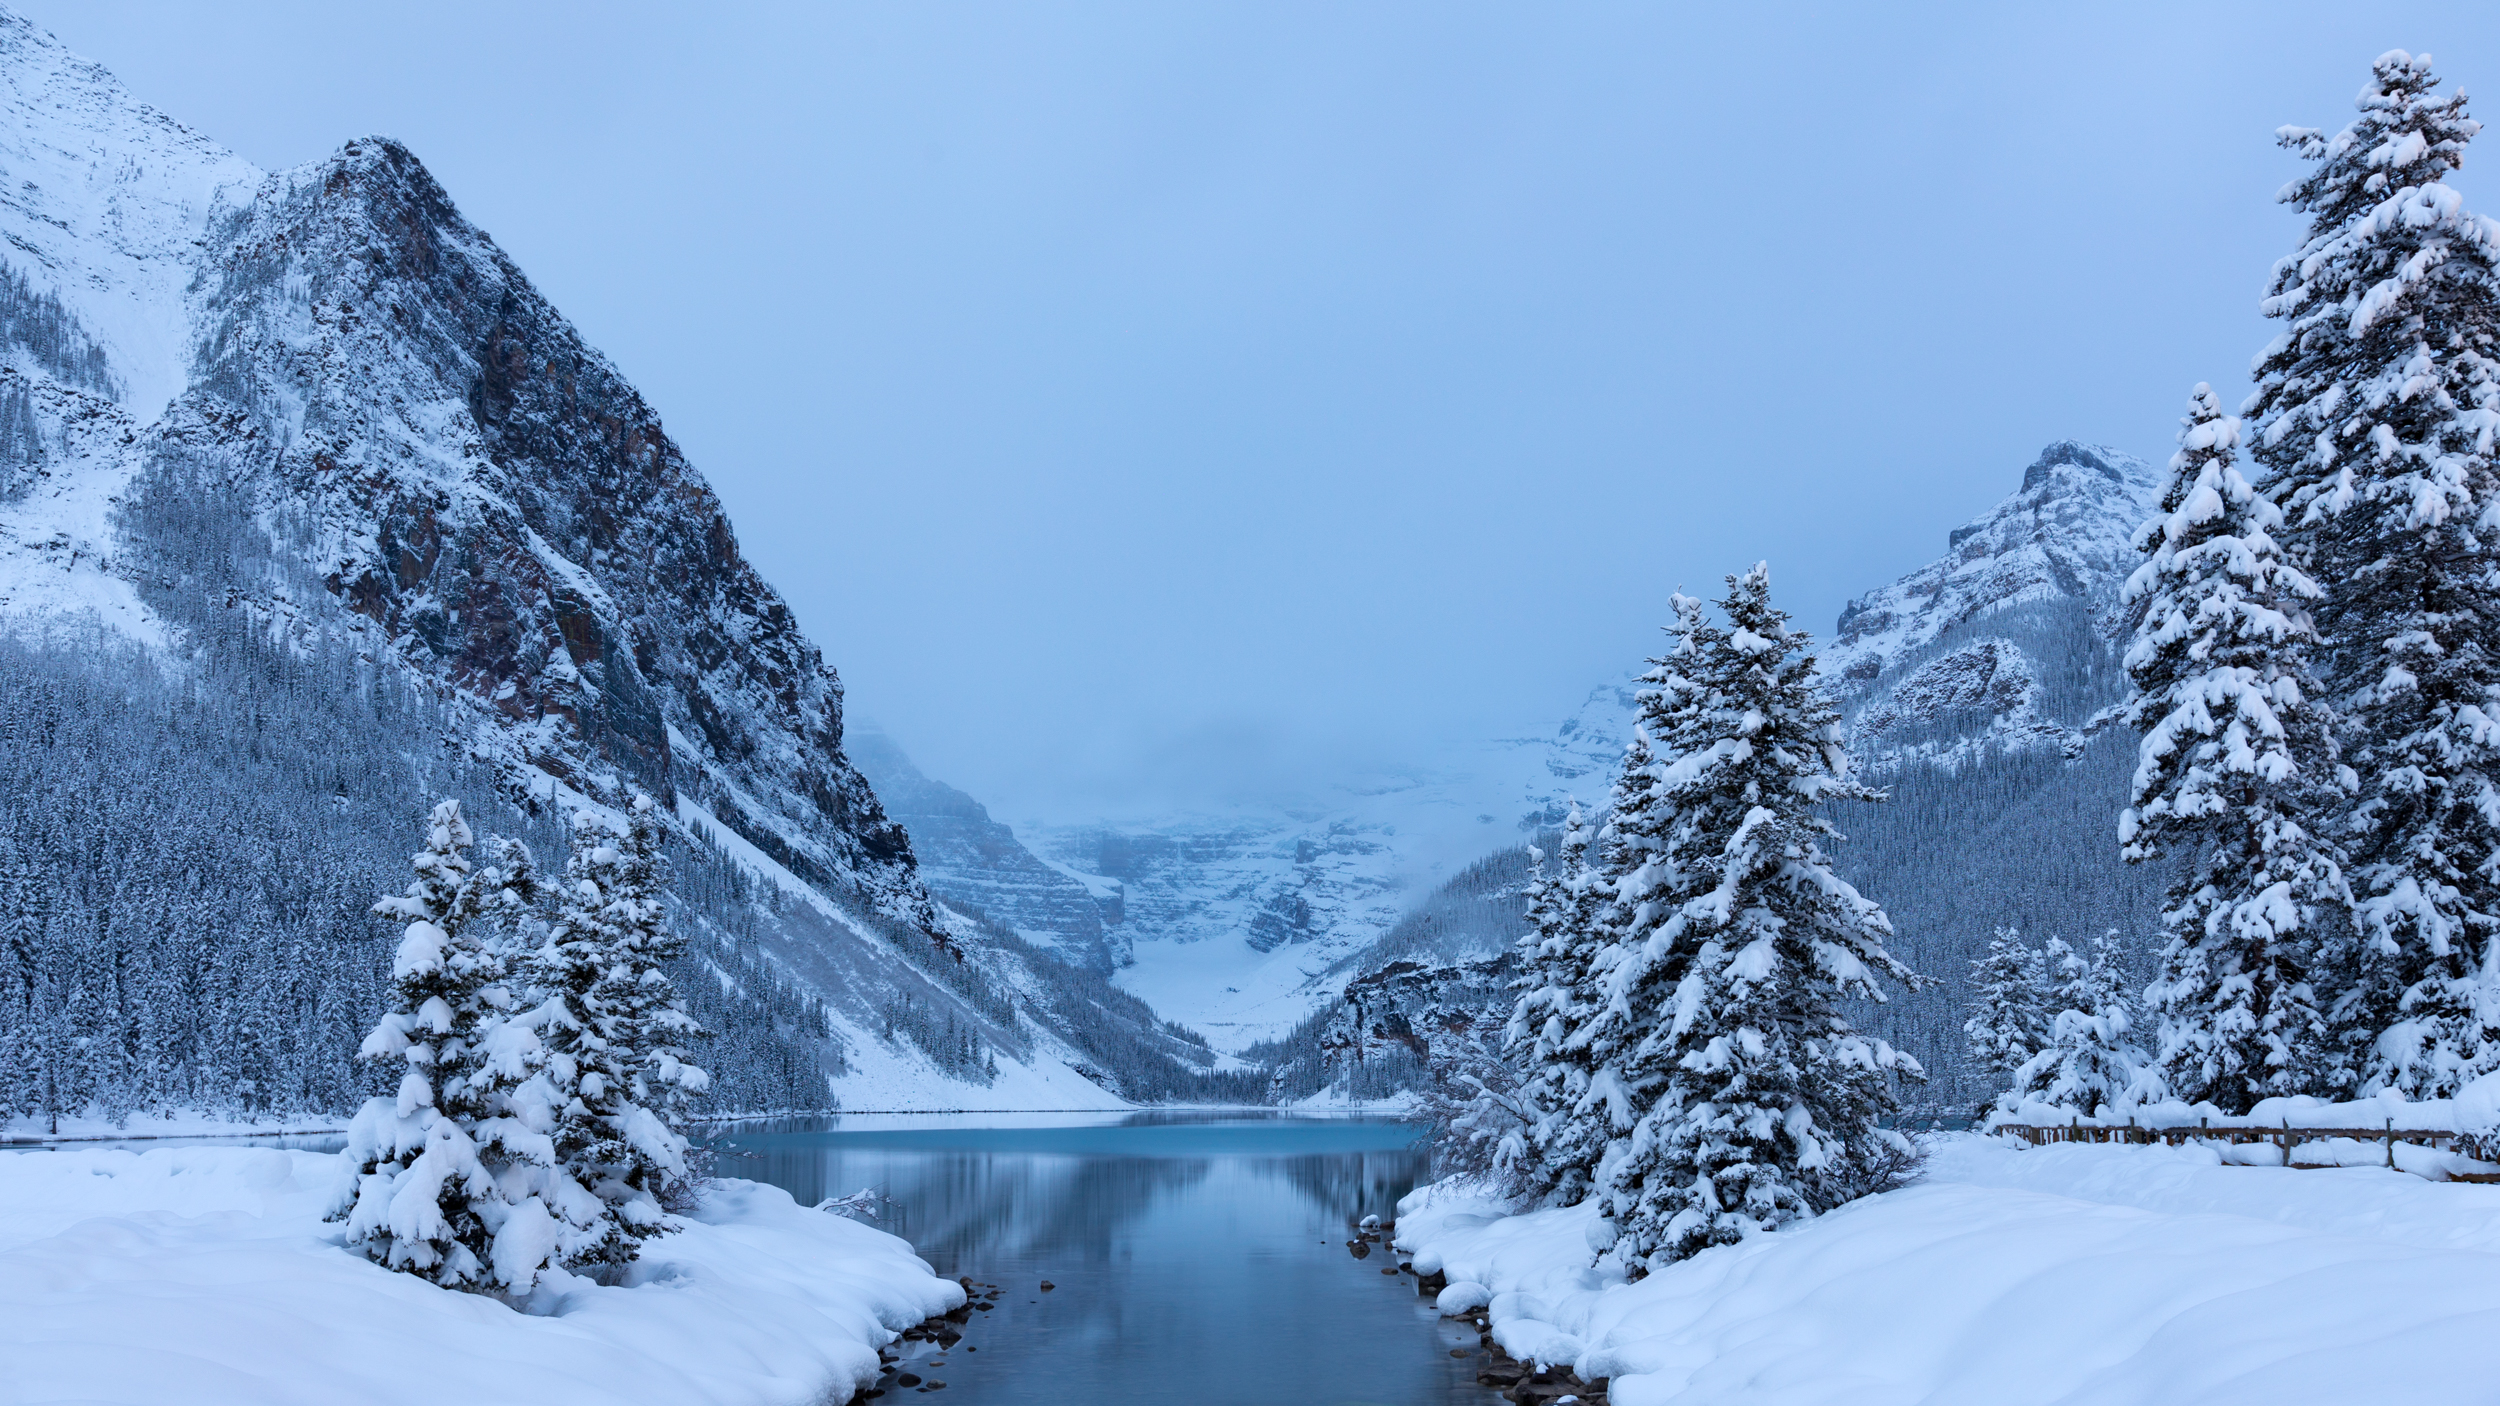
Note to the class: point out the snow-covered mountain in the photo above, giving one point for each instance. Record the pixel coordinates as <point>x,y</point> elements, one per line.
<point>977,865</point>
<point>1233,923</point>
<point>1227,920</point>
<point>1241,924</point>
<point>312,429</point>
<point>2007,640</point>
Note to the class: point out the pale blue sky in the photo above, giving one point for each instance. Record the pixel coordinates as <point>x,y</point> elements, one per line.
<point>1142,402</point>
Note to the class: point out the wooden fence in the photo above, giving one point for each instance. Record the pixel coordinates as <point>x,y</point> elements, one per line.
<point>2286,1137</point>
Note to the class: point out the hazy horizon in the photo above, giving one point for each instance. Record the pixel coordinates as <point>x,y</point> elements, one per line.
<point>1144,405</point>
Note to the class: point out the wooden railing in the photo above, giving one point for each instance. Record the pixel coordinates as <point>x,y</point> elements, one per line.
<point>2287,1137</point>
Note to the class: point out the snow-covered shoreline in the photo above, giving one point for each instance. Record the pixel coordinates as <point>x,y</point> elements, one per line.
<point>2066,1274</point>
<point>206,1274</point>
<point>187,1123</point>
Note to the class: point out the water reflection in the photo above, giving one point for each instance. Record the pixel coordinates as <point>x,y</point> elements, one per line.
<point>1198,1258</point>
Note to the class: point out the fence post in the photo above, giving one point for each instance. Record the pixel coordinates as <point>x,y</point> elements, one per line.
<point>2391,1144</point>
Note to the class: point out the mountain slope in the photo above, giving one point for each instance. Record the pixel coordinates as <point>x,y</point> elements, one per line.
<point>288,453</point>
<point>977,864</point>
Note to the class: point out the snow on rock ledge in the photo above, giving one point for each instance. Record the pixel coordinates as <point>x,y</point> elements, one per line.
<point>206,1275</point>
<point>2067,1274</point>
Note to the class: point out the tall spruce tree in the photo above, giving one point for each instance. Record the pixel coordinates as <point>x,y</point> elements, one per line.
<point>1761,1099</point>
<point>454,1178</point>
<point>1618,958</point>
<point>2236,781</point>
<point>1549,1026</point>
<point>2373,418</point>
<point>614,1032</point>
<point>2007,1024</point>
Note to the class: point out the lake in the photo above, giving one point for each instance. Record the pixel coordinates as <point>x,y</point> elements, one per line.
<point>1197,1258</point>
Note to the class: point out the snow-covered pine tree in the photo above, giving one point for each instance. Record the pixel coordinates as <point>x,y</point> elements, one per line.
<point>2007,1025</point>
<point>659,1032</point>
<point>448,1178</point>
<point>615,1032</point>
<point>2236,781</point>
<point>1617,904</point>
<point>1562,1142</point>
<point>2374,417</point>
<point>2091,1062</point>
<point>1761,1100</point>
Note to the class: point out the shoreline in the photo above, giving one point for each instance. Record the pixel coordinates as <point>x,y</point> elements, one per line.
<point>945,1329</point>
<point>161,1132</point>
<point>1516,1379</point>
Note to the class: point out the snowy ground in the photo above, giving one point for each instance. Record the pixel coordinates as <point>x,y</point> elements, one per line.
<point>187,1123</point>
<point>206,1275</point>
<point>2067,1274</point>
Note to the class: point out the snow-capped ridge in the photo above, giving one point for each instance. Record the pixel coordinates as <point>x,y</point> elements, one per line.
<point>2004,638</point>
<point>109,207</point>
<point>2066,533</point>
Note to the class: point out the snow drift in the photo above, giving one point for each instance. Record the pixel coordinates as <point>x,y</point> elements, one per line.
<point>206,1275</point>
<point>2067,1274</point>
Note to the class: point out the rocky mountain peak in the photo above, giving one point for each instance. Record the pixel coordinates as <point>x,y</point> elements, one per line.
<point>2064,536</point>
<point>2085,458</point>
<point>334,356</point>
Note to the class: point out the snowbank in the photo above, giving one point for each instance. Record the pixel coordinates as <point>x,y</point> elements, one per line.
<point>2475,1108</point>
<point>2071,1274</point>
<point>205,1275</point>
<point>171,1123</point>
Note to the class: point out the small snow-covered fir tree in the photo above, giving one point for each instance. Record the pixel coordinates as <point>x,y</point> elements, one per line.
<point>2091,1062</point>
<point>453,1178</point>
<point>2007,1024</point>
<point>659,1032</point>
<point>615,1031</point>
<point>1761,1100</point>
<point>2374,418</point>
<point>1547,1035</point>
<point>2235,779</point>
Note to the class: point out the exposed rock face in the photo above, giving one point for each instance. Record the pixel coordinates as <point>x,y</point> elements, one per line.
<point>972,861</point>
<point>332,354</point>
<point>493,494</point>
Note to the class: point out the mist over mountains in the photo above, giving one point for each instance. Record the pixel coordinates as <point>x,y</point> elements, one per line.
<point>1978,689</point>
